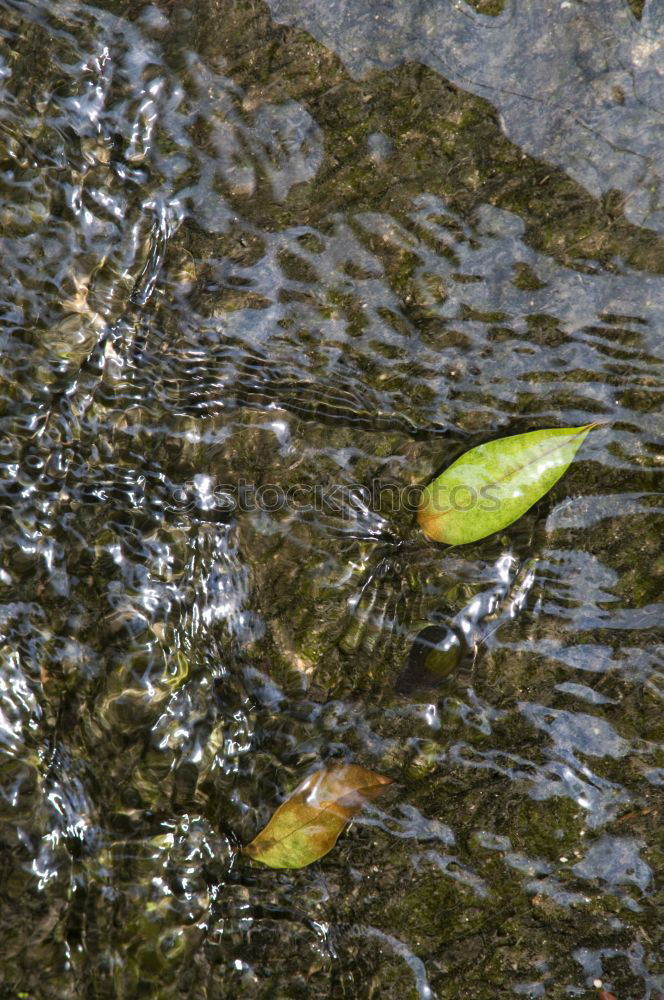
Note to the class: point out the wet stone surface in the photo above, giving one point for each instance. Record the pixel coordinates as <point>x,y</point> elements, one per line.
<point>266,269</point>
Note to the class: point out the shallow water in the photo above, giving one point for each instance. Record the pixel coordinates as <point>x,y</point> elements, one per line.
<point>264,267</point>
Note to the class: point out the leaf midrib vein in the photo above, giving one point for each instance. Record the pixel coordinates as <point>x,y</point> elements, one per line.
<point>312,819</point>
<point>519,468</point>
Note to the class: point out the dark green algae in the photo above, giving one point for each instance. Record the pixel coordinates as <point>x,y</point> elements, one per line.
<point>142,895</point>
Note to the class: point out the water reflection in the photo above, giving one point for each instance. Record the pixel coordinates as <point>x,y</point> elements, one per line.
<point>230,267</point>
<point>586,97</point>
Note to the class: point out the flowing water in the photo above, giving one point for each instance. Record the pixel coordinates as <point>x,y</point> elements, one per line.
<point>265,267</point>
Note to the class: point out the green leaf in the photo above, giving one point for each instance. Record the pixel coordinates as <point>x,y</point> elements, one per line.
<point>491,486</point>
<point>307,825</point>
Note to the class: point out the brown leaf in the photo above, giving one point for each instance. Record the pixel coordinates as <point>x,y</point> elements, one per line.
<point>306,826</point>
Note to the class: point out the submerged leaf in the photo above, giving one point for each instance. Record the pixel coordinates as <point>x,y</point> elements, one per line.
<point>434,655</point>
<point>494,484</point>
<point>306,826</point>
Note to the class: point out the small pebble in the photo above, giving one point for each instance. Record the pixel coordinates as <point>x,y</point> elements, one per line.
<point>380,147</point>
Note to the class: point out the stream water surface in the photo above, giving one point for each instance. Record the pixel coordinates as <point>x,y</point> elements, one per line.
<point>265,268</point>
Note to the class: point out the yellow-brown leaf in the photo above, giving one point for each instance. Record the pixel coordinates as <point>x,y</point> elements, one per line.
<point>306,826</point>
